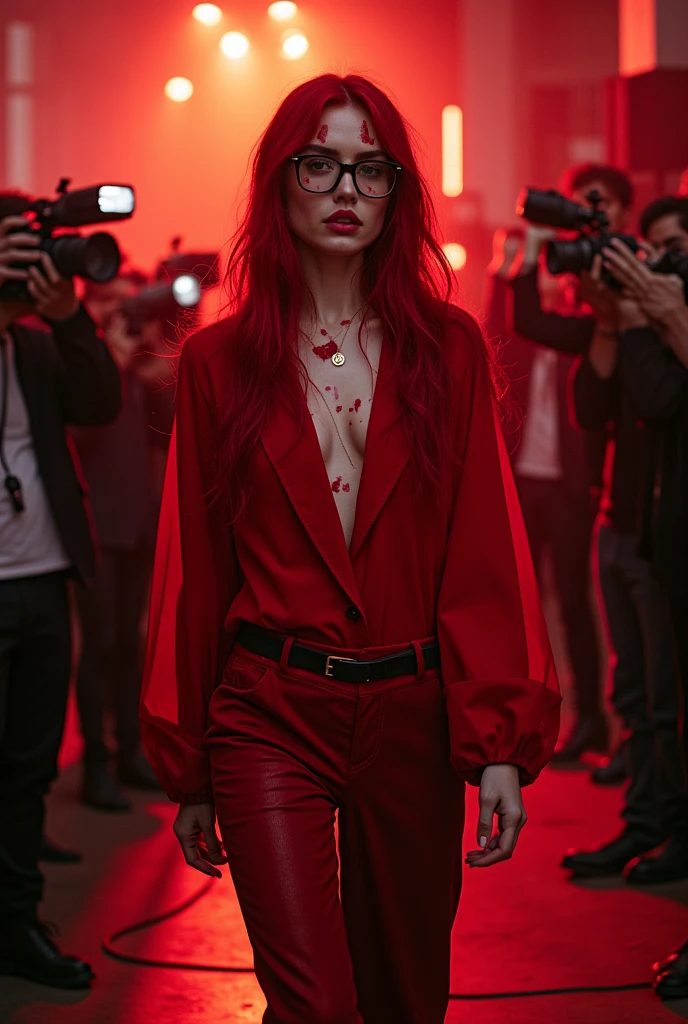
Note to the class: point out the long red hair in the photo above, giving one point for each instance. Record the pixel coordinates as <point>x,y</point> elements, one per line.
<point>406,281</point>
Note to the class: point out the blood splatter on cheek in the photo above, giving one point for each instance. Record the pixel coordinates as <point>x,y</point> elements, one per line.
<point>365,135</point>
<point>336,485</point>
<point>322,134</point>
<point>306,181</point>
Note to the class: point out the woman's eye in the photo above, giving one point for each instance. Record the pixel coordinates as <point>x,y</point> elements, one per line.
<point>370,170</point>
<point>318,166</point>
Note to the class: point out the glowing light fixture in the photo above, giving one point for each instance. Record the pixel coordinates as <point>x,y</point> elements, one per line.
<point>234,45</point>
<point>207,14</point>
<point>179,89</point>
<point>294,45</point>
<point>452,151</point>
<point>456,254</point>
<point>282,11</point>
<point>186,290</point>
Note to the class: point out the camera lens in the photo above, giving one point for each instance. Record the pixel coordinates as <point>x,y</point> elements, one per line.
<point>570,257</point>
<point>95,257</point>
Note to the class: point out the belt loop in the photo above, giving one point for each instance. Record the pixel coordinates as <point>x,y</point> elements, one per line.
<point>284,656</point>
<point>420,660</point>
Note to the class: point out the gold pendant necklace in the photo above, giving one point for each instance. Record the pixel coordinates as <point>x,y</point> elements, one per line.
<point>337,358</point>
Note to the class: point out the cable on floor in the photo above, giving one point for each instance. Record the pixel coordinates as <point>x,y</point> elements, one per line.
<point>108,945</point>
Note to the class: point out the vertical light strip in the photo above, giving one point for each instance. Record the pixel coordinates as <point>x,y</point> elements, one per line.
<point>19,105</point>
<point>452,151</point>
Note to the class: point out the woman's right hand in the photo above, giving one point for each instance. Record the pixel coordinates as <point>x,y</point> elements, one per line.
<point>195,829</point>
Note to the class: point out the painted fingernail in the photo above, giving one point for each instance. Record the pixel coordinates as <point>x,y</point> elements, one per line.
<point>483,842</point>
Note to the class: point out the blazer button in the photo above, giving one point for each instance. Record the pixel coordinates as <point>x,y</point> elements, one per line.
<point>353,613</point>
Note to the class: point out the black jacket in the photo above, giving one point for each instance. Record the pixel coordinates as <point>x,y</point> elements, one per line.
<point>67,377</point>
<point>658,387</point>
<point>567,334</point>
<point>517,353</point>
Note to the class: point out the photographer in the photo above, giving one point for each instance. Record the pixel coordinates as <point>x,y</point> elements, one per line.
<point>645,679</point>
<point>50,378</point>
<point>653,365</point>
<point>559,473</point>
<point>120,463</point>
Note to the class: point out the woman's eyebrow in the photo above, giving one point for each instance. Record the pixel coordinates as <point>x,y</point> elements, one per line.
<point>327,151</point>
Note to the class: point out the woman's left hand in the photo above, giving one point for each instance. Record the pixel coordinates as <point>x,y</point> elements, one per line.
<point>500,794</point>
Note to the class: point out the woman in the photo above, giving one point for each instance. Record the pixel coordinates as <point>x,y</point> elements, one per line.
<point>341,506</point>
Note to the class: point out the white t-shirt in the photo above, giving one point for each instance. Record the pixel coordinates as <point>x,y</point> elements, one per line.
<point>29,541</point>
<point>539,457</point>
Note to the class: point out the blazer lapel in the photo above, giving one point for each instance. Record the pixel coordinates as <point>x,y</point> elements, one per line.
<point>386,454</point>
<point>294,452</point>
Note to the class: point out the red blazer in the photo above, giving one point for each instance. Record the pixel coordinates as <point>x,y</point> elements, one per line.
<point>412,571</point>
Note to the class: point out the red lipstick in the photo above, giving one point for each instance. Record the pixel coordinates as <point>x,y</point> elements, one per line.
<point>344,222</point>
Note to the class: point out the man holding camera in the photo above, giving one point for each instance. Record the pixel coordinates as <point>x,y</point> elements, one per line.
<point>50,378</point>
<point>653,366</point>
<point>646,365</point>
<point>558,485</point>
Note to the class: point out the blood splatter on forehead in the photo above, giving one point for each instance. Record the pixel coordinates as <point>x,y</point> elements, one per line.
<point>365,135</point>
<point>322,134</point>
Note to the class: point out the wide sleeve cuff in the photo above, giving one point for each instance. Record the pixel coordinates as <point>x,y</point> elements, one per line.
<point>501,721</point>
<point>180,762</point>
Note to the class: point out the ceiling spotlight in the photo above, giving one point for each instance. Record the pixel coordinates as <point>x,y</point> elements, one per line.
<point>179,89</point>
<point>294,45</point>
<point>456,255</point>
<point>234,45</point>
<point>282,11</point>
<point>207,14</point>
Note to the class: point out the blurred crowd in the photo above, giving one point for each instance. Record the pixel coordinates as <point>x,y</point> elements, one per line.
<point>597,364</point>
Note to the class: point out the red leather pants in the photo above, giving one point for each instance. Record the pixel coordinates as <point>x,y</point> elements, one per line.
<point>288,749</point>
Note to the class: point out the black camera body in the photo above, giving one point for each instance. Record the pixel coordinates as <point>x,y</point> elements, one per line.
<point>571,256</point>
<point>95,257</point>
<point>180,281</point>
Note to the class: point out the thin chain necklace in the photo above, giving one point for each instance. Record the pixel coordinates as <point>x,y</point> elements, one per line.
<point>334,423</point>
<point>337,357</point>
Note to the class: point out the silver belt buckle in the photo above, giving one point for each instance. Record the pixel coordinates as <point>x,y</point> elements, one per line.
<point>329,667</point>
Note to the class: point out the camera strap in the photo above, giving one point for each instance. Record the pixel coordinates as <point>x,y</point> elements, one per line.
<point>12,483</point>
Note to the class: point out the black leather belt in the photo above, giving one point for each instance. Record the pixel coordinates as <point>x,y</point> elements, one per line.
<point>346,670</point>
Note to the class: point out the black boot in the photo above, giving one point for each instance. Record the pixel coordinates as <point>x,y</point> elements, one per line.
<point>615,772</point>
<point>100,789</point>
<point>610,859</point>
<point>27,950</point>
<point>664,965</point>
<point>672,982</point>
<point>590,733</point>
<point>134,770</point>
<point>671,865</point>
<point>53,853</point>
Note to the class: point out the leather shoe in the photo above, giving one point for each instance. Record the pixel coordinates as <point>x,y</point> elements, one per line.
<point>672,982</point>
<point>588,734</point>
<point>28,950</point>
<point>53,853</point>
<point>101,791</point>
<point>614,772</point>
<point>671,865</point>
<point>609,859</point>
<point>664,965</point>
<point>135,770</point>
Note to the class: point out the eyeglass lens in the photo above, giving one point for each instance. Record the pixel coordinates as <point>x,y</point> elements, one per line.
<point>318,174</point>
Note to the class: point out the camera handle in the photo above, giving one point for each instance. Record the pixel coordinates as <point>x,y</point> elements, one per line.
<point>12,483</point>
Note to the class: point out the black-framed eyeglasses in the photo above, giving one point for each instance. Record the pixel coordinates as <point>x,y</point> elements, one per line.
<point>373,179</point>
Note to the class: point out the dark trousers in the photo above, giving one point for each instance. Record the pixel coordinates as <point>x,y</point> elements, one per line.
<point>289,748</point>
<point>561,523</point>
<point>646,685</point>
<point>35,664</point>
<point>109,674</point>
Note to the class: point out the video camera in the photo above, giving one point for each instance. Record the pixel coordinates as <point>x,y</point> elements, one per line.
<point>571,256</point>
<point>95,257</point>
<point>180,281</point>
